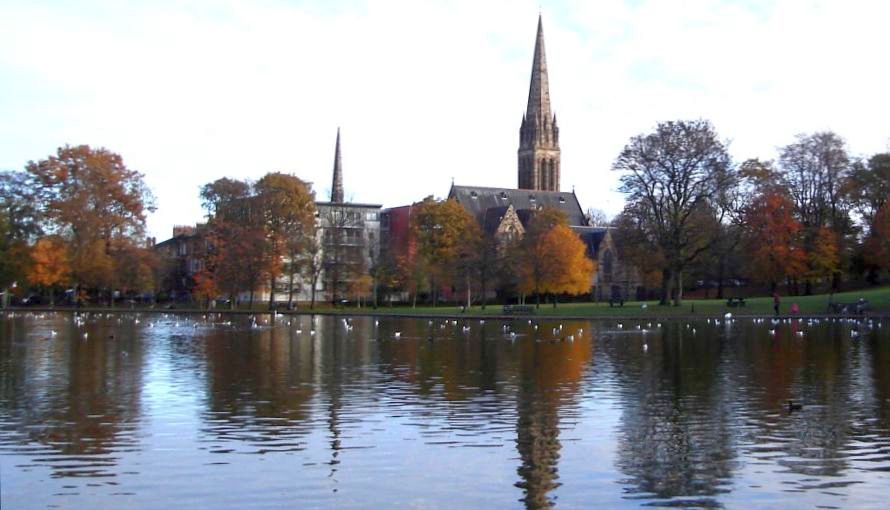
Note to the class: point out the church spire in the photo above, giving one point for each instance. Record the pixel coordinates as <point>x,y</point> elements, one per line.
<point>539,155</point>
<point>337,186</point>
<point>539,90</point>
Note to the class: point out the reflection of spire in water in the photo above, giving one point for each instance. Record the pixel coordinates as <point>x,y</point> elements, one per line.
<point>334,388</point>
<point>549,373</point>
<point>537,441</point>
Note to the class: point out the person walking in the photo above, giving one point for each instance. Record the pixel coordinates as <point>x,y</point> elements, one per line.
<point>776,302</point>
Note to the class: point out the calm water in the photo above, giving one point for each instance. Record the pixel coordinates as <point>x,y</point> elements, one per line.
<point>148,411</point>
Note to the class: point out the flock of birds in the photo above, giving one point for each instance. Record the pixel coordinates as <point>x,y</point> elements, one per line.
<point>440,329</point>
<point>446,327</point>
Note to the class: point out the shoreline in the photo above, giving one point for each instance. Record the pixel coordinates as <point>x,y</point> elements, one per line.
<point>878,314</point>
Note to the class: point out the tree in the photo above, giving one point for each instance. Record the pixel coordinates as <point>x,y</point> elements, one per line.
<point>673,176</point>
<point>289,217</point>
<point>205,288</point>
<point>823,259</point>
<point>441,230</point>
<point>877,246</point>
<point>215,196</point>
<point>815,169</point>
<point>90,198</point>
<point>868,186</point>
<point>562,267</point>
<point>549,260</point>
<point>597,217</point>
<point>344,248</point>
<point>49,265</point>
<point>134,268</point>
<point>773,239</point>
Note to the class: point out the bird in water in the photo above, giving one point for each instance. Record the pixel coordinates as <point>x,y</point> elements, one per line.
<point>794,407</point>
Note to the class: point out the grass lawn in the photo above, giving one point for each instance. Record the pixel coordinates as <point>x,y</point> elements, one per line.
<point>879,299</point>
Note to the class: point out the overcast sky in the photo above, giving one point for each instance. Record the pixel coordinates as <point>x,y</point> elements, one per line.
<point>424,92</point>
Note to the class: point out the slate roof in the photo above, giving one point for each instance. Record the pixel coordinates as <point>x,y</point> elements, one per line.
<point>592,237</point>
<point>478,200</point>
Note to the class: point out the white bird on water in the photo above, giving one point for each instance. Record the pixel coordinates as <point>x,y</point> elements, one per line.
<point>645,347</point>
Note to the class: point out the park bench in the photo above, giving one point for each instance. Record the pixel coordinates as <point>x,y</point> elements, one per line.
<point>519,309</point>
<point>734,302</point>
<point>856,307</point>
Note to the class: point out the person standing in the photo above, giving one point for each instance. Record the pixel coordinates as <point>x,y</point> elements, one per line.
<point>776,302</point>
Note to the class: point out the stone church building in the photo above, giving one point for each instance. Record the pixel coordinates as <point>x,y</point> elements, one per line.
<point>506,211</point>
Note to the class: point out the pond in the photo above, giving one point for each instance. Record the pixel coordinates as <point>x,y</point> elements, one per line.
<point>163,411</point>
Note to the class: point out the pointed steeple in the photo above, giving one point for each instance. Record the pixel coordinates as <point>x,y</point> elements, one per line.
<point>539,90</point>
<point>337,186</point>
<point>539,154</point>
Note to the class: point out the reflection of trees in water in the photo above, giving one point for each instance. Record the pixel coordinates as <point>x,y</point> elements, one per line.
<point>549,377</point>
<point>676,438</point>
<point>877,345</point>
<point>823,371</point>
<point>79,397</point>
<point>259,386</point>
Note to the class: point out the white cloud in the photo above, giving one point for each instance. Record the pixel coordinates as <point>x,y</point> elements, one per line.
<point>425,91</point>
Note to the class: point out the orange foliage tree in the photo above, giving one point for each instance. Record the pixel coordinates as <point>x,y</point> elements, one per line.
<point>555,259</point>
<point>824,258</point>
<point>205,288</point>
<point>92,200</point>
<point>49,264</point>
<point>445,234</point>
<point>774,239</point>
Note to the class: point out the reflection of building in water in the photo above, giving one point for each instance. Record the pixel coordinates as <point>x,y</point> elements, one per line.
<point>549,377</point>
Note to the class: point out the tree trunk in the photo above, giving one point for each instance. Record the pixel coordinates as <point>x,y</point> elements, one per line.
<point>290,290</point>
<point>721,269</point>
<point>271,293</point>
<point>554,300</point>
<point>250,300</point>
<point>468,291</point>
<point>482,283</point>
<point>666,285</point>
<point>52,297</point>
<point>678,301</point>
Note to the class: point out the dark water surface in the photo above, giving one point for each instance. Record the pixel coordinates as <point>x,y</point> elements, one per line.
<point>152,411</point>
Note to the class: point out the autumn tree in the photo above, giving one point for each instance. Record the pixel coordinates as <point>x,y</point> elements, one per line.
<point>205,288</point>
<point>49,265</point>
<point>815,169</point>
<point>774,239</point>
<point>90,198</point>
<point>823,258</point>
<point>443,230</point>
<point>288,208</point>
<point>134,268</point>
<point>672,177</point>
<point>554,258</point>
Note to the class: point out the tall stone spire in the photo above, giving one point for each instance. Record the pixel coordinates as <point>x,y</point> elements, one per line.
<point>539,155</point>
<point>337,186</point>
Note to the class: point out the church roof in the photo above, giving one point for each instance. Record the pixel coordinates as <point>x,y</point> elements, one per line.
<point>478,200</point>
<point>592,237</point>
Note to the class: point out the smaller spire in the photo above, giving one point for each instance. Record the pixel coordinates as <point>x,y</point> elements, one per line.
<point>337,186</point>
